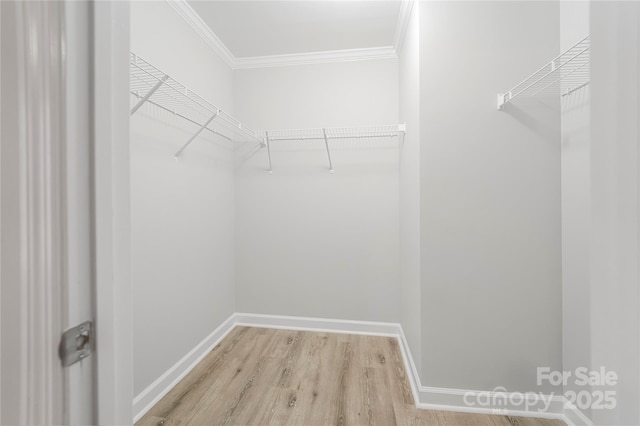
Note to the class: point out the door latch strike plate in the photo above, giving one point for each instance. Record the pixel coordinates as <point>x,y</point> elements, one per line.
<point>76,343</point>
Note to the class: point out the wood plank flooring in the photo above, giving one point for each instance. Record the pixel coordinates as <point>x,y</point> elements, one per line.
<point>259,376</point>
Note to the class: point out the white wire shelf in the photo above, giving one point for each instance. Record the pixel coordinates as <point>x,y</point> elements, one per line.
<point>335,133</point>
<point>345,134</point>
<point>150,85</point>
<point>563,75</point>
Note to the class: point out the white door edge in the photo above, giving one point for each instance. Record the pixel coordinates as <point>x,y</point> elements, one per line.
<point>113,314</point>
<point>33,226</point>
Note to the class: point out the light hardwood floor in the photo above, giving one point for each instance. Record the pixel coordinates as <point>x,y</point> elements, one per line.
<point>259,376</point>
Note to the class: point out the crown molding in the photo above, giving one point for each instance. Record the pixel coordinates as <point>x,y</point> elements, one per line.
<point>316,57</point>
<point>203,30</point>
<point>406,6</point>
<point>206,33</point>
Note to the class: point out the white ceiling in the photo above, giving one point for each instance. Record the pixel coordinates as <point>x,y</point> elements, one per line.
<point>266,28</point>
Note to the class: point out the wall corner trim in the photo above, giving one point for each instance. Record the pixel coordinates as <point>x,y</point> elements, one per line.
<point>406,7</point>
<point>425,397</point>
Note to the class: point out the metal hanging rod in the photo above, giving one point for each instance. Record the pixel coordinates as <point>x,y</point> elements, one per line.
<point>563,74</point>
<point>150,85</point>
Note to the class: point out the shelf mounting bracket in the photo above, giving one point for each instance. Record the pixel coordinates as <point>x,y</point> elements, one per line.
<point>204,126</point>
<point>148,95</point>
<point>268,152</point>
<point>326,144</point>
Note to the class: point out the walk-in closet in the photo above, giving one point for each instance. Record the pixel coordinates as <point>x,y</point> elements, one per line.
<point>418,171</point>
<point>319,212</point>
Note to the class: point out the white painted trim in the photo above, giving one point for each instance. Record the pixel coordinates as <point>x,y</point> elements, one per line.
<point>427,397</point>
<point>451,399</point>
<point>424,397</point>
<point>406,7</point>
<point>574,416</point>
<point>194,20</point>
<point>146,399</point>
<point>33,212</point>
<point>111,210</point>
<point>150,396</point>
<point>316,58</point>
<point>489,411</point>
<point>430,398</point>
<point>318,324</point>
<point>409,366</point>
<point>203,30</point>
<point>0,216</point>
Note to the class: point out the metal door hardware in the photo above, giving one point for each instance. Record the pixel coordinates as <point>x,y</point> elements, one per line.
<point>76,343</point>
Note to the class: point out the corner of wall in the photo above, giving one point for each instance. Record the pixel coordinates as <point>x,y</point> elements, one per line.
<point>410,166</point>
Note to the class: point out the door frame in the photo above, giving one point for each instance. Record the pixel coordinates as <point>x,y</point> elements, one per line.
<point>34,291</point>
<point>111,204</point>
<point>33,212</point>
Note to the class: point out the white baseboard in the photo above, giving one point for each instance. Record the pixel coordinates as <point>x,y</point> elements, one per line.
<point>575,416</point>
<point>448,399</point>
<point>163,384</point>
<point>409,366</point>
<point>492,402</point>
<point>319,324</point>
<point>425,397</point>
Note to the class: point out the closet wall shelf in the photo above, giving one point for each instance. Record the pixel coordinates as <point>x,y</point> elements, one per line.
<point>563,75</point>
<point>150,85</point>
<point>394,132</point>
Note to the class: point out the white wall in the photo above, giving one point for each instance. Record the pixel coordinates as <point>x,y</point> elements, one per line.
<point>615,213</point>
<point>182,211</point>
<point>576,204</point>
<point>160,36</point>
<point>323,95</point>
<point>490,206</point>
<point>310,243</point>
<point>409,81</point>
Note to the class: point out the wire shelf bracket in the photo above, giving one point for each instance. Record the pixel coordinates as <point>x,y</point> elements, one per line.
<point>168,94</point>
<point>563,75</point>
<point>148,95</point>
<point>266,138</point>
<point>204,126</point>
<point>149,85</point>
<point>326,144</point>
